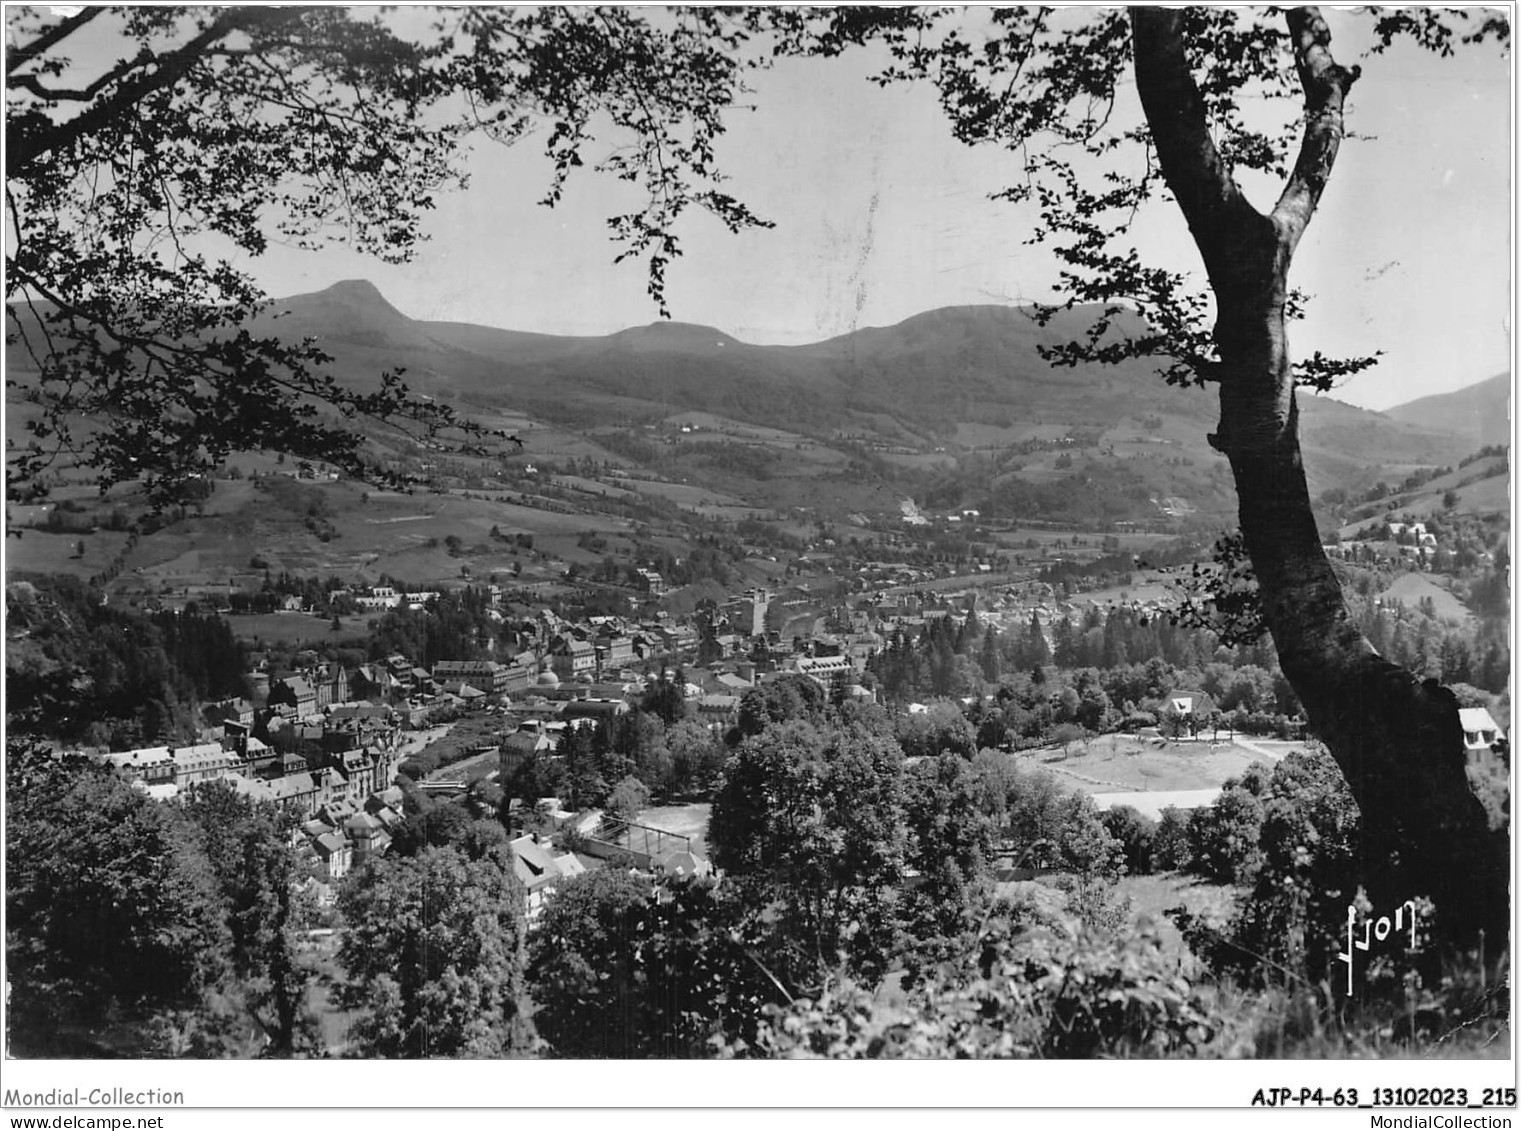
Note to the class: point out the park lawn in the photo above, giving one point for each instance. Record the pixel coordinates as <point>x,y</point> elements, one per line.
<point>1145,585</point>
<point>1115,763</point>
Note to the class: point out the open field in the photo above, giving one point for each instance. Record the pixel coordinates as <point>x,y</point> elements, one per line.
<point>710,422</point>
<point>543,441</point>
<point>1409,589</point>
<point>594,487</point>
<point>1145,585</point>
<point>368,532</point>
<point>685,495</point>
<point>1118,763</point>
<point>1487,495</point>
<point>1043,537</point>
<point>40,552</point>
<point>472,519</point>
<point>1475,495</point>
<point>730,514</point>
<point>297,628</point>
<point>919,461</point>
<point>994,437</point>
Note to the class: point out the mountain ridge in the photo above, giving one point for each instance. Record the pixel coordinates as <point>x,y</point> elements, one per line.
<point>920,335</point>
<point>1480,411</point>
<point>940,385</point>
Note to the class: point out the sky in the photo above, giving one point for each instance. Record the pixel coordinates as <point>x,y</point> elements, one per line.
<point>880,214</point>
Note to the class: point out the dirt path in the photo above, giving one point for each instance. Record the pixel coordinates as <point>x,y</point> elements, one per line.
<point>1255,748</point>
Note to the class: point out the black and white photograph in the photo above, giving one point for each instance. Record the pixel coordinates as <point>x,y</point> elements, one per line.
<point>740,534</point>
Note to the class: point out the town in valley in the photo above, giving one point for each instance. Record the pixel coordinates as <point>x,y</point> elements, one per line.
<point>731,533</point>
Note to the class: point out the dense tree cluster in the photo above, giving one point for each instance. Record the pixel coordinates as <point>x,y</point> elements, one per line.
<point>136,928</point>
<point>433,950</point>
<point>87,672</point>
<point>636,751</point>
<point>839,859</point>
<point>630,966</point>
<point>1110,670</point>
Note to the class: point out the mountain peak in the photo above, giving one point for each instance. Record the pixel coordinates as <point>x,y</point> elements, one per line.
<point>356,298</point>
<point>359,294</point>
<point>353,308</point>
<point>356,290</point>
<point>675,335</point>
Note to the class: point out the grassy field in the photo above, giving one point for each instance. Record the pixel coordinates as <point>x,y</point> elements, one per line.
<point>1115,763</point>
<point>685,495</point>
<point>1019,538</point>
<point>369,532</point>
<point>1145,586</point>
<point>725,426</point>
<point>1485,496</point>
<point>40,552</point>
<point>919,461</point>
<point>729,514</point>
<point>1410,588</point>
<point>297,628</point>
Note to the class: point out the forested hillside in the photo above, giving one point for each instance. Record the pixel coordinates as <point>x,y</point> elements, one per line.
<point>80,671</point>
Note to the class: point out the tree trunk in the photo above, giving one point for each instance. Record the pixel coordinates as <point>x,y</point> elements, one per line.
<point>1397,739</point>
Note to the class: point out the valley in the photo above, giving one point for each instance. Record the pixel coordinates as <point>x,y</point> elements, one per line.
<point>642,440</point>
<point>890,551</point>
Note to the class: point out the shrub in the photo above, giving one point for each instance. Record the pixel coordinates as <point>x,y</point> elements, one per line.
<point>1169,845</point>
<point>1307,871</point>
<point>1223,837</point>
<point>628,797</point>
<point>1041,994</point>
<point>1136,834</point>
<point>1096,903</point>
<point>1065,734</point>
<point>1291,925</point>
